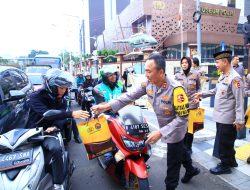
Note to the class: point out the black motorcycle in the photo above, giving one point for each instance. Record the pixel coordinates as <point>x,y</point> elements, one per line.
<point>88,99</point>
<point>67,131</point>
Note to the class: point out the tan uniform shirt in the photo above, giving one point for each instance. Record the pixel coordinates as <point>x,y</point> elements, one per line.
<point>247,86</point>
<point>170,103</point>
<point>229,99</point>
<point>192,84</point>
<point>198,70</point>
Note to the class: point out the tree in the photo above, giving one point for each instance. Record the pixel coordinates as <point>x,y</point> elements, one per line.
<point>67,56</point>
<point>3,61</point>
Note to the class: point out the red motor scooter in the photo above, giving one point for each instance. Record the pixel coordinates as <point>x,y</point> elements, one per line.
<point>128,163</point>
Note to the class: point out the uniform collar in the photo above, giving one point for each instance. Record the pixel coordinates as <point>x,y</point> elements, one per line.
<point>190,72</point>
<point>164,85</point>
<point>235,66</point>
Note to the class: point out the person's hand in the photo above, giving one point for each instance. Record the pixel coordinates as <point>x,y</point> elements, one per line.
<point>80,114</point>
<point>239,126</point>
<point>50,129</point>
<point>153,137</point>
<point>100,108</point>
<point>196,97</point>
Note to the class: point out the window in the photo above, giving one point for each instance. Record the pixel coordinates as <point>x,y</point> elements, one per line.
<point>7,84</point>
<point>18,79</point>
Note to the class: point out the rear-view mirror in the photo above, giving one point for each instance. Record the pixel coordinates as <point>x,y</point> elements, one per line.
<point>15,95</point>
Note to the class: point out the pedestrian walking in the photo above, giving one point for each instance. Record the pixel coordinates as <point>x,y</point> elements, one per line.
<point>125,77</point>
<point>228,111</point>
<point>170,103</point>
<point>190,80</point>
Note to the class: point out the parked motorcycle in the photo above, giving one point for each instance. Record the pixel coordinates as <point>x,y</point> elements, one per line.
<point>128,163</point>
<point>22,160</point>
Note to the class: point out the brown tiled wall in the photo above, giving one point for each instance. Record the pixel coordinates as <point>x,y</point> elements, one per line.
<point>165,22</point>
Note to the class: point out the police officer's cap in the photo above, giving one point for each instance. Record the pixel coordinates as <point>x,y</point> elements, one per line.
<point>223,54</point>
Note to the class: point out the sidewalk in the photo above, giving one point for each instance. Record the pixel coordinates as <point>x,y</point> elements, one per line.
<point>203,148</point>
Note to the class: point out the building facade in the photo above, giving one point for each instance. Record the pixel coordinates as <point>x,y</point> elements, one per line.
<point>98,15</point>
<point>160,18</point>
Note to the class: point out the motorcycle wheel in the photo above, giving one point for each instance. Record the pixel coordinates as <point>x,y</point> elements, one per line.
<point>136,183</point>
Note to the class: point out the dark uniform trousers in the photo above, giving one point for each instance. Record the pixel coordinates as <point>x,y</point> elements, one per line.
<point>176,155</point>
<point>54,149</point>
<point>188,141</point>
<point>63,122</point>
<point>225,137</point>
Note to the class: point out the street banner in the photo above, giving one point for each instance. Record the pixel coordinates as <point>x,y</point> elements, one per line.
<point>96,137</point>
<point>196,120</point>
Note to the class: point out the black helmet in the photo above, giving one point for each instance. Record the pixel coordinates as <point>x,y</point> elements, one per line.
<point>57,78</point>
<point>106,72</point>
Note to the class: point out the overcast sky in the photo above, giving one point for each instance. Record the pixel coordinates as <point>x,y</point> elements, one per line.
<point>40,25</point>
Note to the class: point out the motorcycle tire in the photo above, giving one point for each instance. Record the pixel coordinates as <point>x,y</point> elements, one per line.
<point>136,183</point>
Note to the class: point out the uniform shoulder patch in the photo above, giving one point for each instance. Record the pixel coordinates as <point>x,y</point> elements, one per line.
<point>236,83</point>
<point>180,101</point>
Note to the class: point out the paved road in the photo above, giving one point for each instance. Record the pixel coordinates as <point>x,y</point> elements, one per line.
<point>89,176</point>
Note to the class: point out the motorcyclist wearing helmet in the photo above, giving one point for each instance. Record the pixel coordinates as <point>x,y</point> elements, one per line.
<point>79,80</point>
<point>110,87</point>
<point>51,96</point>
<point>89,82</point>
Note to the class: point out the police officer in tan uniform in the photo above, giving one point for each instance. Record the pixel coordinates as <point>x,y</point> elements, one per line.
<point>170,103</point>
<point>247,86</point>
<point>247,94</point>
<point>228,111</point>
<point>190,80</point>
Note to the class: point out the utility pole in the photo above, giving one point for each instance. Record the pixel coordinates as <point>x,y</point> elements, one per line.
<point>198,31</point>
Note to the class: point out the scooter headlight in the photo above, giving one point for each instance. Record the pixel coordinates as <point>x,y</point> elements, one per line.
<point>133,145</point>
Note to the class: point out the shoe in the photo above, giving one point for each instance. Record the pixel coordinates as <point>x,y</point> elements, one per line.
<point>78,140</point>
<point>58,187</point>
<point>248,160</point>
<point>220,169</point>
<point>189,175</point>
<point>233,164</point>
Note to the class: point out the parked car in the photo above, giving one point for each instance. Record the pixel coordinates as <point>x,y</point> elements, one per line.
<point>36,79</point>
<point>37,69</point>
<point>15,89</point>
<point>36,73</point>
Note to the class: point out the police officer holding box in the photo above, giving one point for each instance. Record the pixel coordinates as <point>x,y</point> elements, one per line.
<point>170,103</point>
<point>228,111</point>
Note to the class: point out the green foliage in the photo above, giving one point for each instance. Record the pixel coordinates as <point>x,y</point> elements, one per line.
<point>99,52</point>
<point>112,52</point>
<point>107,52</point>
<point>110,59</point>
<point>86,56</point>
<point>4,61</point>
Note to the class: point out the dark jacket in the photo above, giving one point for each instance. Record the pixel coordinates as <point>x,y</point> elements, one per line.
<point>40,102</point>
<point>88,83</point>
